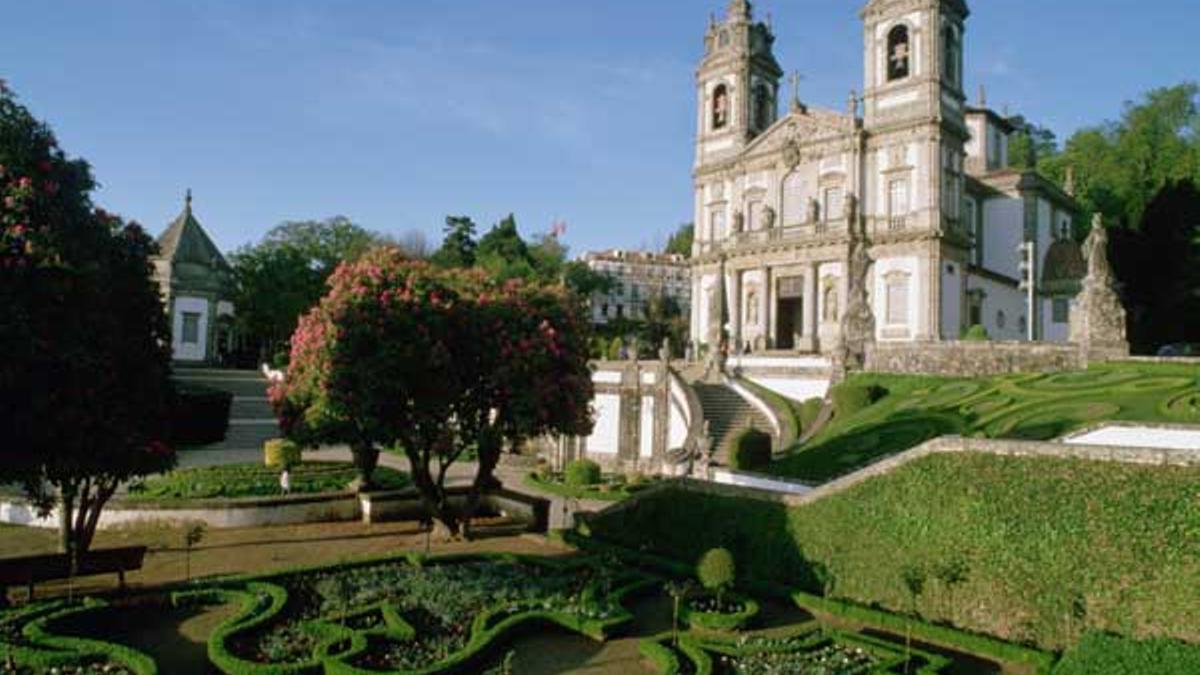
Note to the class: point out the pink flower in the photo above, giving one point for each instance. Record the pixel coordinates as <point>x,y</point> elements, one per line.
<point>24,182</point>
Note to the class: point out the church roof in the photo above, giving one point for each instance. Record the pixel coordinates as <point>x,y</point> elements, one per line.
<point>186,241</point>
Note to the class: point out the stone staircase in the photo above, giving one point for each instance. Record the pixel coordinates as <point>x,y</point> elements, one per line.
<point>251,420</point>
<point>727,414</point>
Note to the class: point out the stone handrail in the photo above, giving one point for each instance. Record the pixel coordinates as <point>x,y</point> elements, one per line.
<point>694,412</point>
<point>762,406</point>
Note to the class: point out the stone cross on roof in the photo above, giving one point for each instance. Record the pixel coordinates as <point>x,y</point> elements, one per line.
<point>796,78</point>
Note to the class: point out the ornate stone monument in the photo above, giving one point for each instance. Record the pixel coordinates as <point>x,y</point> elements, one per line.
<point>1098,318</point>
<point>858,323</point>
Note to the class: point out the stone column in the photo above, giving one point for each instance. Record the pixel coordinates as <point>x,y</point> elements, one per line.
<point>735,311</point>
<point>808,339</point>
<point>764,305</point>
<point>769,320</point>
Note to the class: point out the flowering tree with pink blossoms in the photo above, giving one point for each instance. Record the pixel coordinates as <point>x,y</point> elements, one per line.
<point>438,362</point>
<point>85,382</point>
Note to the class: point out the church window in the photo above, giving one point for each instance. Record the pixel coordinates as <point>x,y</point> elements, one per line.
<point>833,203</point>
<point>793,199</point>
<point>620,311</point>
<point>723,39</point>
<point>950,65</point>
<point>897,299</point>
<point>899,55</point>
<point>1061,310</point>
<point>718,224</point>
<point>191,328</point>
<point>720,107</point>
<point>764,113</point>
<point>897,203</point>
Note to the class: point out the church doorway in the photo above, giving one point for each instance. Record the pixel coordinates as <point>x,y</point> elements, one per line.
<point>790,322</point>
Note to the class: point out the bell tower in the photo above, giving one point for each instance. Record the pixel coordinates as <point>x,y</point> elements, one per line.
<point>737,83</point>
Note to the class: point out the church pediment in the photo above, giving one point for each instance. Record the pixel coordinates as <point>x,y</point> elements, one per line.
<point>799,129</point>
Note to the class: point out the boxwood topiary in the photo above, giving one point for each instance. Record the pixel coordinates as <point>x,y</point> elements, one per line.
<point>751,451</point>
<point>582,473</point>
<point>850,398</point>
<point>716,571</point>
<point>976,333</point>
<point>280,453</point>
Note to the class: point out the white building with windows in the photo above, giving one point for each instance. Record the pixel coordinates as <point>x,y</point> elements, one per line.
<point>638,278</point>
<point>943,212</point>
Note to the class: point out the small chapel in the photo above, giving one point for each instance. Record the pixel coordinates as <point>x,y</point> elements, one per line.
<point>954,235</point>
<point>196,283</point>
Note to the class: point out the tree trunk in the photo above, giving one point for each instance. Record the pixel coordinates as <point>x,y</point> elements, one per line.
<point>366,458</point>
<point>65,506</point>
<point>446,520</point>
<point>489,448</point>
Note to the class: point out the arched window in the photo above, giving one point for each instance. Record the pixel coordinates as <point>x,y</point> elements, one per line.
<point>764,113</point>
<point>950,55</point>
<point>720,107</point>
<point>899,54</point>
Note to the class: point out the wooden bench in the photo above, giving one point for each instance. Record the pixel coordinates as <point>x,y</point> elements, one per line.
<point>28,570</point>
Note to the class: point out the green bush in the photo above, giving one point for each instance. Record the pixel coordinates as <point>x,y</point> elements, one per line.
<point>810,410</point>
<point>850,397</point>
<point>976,333</point>
<point>614,349</point>
<point>582,473</point>
<point>1104,654</point>
<point>716,571</point>
<point>280,453</point>
<point>751,450</point>
<point>200,415</point>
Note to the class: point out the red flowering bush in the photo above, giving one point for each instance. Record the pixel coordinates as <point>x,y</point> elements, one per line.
<point>85,378</point>
<point>437,361</point>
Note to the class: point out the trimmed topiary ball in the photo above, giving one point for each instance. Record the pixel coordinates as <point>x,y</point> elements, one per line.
<point>716,571</point>
<point>583,473</point>
<point>751,451</point>
<point>976,333</point>
<point>281,453</point>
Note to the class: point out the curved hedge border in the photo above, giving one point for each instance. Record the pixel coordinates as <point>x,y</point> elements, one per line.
<point>721,622</point>
<point>46,650</point>
<point>950,638</point>
<point>262,602</point>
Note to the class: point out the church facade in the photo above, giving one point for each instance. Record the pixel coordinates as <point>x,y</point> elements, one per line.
<point>923,174</point>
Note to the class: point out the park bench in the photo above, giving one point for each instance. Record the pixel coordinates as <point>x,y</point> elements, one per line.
<point>28,570</point>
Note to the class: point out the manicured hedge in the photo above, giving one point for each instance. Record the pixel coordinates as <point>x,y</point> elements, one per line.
<point>1030,550</point>
<point>279,453</point>
<point>810,410</point>
<point>751,450</point>
<point>976,333</point>
<point>851,397</point>
<point>47,651</point>
<point>201,414</point>
<point>1104,654</point>
<point>582,473</point>
<point>722,622</point>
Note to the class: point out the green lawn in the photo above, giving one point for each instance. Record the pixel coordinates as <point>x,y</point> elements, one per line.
<point>257,480</point>
<point>1033,407</point>
<point>1034,550</point>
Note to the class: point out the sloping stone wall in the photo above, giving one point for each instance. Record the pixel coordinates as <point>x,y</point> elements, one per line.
<point>972,359</point>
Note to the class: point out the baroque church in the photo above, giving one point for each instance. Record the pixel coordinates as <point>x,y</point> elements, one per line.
<point>922,174</point>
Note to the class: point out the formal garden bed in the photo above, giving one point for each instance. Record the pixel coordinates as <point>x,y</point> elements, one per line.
<point>881,415</point>
<point>233,481</point>
<point>585,480</point>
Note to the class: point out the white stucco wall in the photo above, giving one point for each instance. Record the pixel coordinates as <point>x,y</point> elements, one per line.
<point>952,300</point>
<point>998,298</point>
<point>646,435</point>
<point>607,431</point>
<point>916,295</point>
<point>194,351</point>
<point>1003,232</point>
<point>1051,331</point>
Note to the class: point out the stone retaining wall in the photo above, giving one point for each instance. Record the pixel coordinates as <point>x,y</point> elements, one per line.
<point>972,359</point>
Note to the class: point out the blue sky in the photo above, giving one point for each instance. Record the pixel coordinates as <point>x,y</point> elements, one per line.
<point>396,113</point>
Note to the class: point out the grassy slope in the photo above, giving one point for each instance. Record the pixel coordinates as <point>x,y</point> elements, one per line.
<point>1038,407</point>
<point>1048,547</point>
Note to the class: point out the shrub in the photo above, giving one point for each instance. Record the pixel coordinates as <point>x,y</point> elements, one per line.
<point>583,472</point>
<point>976,333</point>
<point>716,571</point>
<point>280,453</point>
<point>751,450</point>
<point>849,398</point>
<point>1103,654</point>
<point>614,349</point>
<point>201,415</point>
<point>810,410</point>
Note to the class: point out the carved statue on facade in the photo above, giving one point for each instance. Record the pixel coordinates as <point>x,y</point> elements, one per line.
<point>858,323</point>
<point>1098,319</point>
<point>739,222</point>
<point>768,218</point>
<point>814,210</point>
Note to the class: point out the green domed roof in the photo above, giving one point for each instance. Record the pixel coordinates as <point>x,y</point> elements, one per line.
<point>1064,267</point>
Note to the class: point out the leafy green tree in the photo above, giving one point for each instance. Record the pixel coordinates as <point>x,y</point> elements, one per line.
<point>284,275</point>
<point>458,247</point>
<point>1029,144</point>
<point>717,572</point>
<point>503,253</point>
<point>681,241</point>
<point>438,362</point>
<point>85,389</point>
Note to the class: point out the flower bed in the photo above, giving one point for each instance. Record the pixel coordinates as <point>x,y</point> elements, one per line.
<point>410,615</point>
<point>255,480</point>
<point>27,638</point>
<point>734,612</point>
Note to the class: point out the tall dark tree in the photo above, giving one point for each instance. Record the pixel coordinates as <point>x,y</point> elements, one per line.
<point>1158,266</point>
<point>681,241</point>
<point>503,253</point>
<point>85,387</point>
<point>458,247</point>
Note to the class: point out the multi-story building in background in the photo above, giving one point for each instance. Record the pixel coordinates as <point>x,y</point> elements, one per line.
<point>638,278</point>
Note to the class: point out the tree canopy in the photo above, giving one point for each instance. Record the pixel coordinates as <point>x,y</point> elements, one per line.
<point>85,386</point>
<point>680,242</point>
<point>438,361</point>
